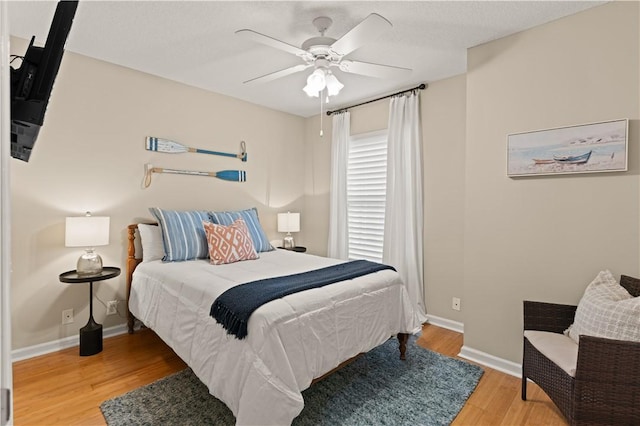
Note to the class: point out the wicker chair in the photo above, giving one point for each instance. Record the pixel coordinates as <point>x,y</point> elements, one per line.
<point>606,386</point>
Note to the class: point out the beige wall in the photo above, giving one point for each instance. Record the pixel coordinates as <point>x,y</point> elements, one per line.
<point>315,222</point>
<point>90,155</point>
<point>443,118</point>
<point>546,237</point>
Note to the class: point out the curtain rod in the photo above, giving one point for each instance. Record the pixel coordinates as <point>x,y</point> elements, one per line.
<point>421,87</point>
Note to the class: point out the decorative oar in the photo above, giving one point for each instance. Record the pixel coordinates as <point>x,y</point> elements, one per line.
<point>172,147</point>
<point>230,175</point>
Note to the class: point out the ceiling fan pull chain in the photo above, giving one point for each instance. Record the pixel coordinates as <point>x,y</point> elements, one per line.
<point>321,114</point>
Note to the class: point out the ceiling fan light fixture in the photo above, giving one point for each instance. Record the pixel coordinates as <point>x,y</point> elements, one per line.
<point>323,53</point>
<point>311,92</point>
<point>333,85</point>
<point>316,82</point>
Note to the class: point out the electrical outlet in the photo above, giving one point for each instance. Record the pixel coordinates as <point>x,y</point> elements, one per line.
<point>67,316</point>
<point>112,307</point>
<point>455,303</point>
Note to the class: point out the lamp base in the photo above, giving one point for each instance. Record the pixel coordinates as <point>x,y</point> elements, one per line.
<point>288,243</point>
<point>90,263</point>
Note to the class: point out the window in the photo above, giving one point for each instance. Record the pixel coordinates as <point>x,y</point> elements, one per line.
<point>366,193</point>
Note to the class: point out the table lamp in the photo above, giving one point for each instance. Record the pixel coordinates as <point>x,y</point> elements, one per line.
<point>88,232</point>
<point>288,222</point>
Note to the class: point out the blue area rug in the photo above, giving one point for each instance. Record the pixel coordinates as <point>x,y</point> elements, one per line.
<point>376,389</point>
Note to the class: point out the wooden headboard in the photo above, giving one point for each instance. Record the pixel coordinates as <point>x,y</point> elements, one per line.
<point>132,263</point>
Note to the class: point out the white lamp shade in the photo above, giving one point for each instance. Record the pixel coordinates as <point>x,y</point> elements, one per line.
<point>288,222</point>
<point>86,231</point>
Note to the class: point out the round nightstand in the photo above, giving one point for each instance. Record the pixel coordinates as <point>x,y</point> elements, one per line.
<point>90,334</point>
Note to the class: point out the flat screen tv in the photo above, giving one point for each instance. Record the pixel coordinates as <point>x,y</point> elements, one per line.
<point>32,82</point>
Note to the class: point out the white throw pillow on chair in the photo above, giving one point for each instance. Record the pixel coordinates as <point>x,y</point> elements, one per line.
<point>607,310</point>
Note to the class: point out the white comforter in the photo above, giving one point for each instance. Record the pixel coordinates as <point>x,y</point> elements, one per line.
<point>291,340</point>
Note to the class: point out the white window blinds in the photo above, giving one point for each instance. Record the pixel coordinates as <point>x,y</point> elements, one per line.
<point>366,191</point>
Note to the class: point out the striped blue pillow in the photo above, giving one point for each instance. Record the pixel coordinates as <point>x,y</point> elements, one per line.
<point>182,234</point>
<point>250,217</point>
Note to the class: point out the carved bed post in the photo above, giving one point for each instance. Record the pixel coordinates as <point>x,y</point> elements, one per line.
<point>132,262</point>
<point>402,339</point>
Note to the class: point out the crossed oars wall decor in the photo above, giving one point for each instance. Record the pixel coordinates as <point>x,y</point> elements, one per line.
<point>172,147</point>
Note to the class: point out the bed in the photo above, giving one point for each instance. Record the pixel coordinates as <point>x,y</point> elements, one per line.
<point>291,341</point>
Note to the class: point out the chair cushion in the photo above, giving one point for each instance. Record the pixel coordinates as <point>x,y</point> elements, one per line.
<point>560,349</point>
<point>607,310</point>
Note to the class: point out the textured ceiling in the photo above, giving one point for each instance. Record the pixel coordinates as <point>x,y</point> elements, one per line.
<point>194,42</point>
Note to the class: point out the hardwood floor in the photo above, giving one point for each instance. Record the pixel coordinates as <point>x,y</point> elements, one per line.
<point>63,388</point>
<point>496,400</point>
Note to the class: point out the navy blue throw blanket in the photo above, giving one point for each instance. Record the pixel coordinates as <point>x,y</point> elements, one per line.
<point>233,308</point>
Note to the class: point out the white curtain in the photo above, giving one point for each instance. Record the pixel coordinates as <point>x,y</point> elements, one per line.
<point>338,245</point>
<point>403,223</point>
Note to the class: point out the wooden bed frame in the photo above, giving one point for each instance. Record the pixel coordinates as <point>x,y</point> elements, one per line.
<point>133,262</point>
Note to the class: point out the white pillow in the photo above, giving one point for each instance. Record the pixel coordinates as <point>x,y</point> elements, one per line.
<point>151,241</point>
<point>607,310</point>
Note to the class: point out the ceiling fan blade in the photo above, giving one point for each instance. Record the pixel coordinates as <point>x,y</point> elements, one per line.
<point>272,42</point>
<point>278,74</point>
<point>367,30</point>
<point>373,70</point>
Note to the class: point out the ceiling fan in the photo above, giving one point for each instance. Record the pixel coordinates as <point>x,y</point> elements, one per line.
<point>324,53</point>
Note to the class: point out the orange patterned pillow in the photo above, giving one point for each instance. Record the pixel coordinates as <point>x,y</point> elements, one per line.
<point>229,244</point>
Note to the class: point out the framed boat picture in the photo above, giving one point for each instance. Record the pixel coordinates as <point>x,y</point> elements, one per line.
<point>584,148</point>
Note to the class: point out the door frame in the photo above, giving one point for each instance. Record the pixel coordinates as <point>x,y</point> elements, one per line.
<point>6,376</point>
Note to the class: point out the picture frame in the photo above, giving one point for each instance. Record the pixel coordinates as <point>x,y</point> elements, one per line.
<point>584,148</point>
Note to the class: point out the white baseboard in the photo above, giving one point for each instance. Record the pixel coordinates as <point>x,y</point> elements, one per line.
<point>488,360</point>
<point>64,343</point>
<point>446,323</point>
<point>503,365</point>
